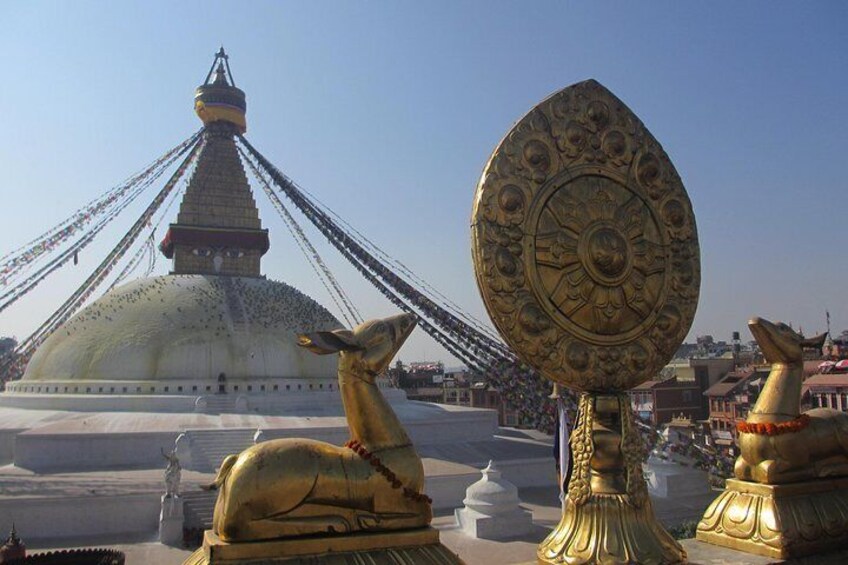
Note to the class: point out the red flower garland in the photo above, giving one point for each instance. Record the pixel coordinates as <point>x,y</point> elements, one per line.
<point>386,472</point>
<point>770,429</point>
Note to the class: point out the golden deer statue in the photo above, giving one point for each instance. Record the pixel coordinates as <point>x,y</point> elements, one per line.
<point>292,487</point>
<point>778,444</point>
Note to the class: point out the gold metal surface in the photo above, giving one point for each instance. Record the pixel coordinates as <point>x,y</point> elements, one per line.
<point>217,549</point>
<point>289,488</point>
<point>584,243</point>
<point>779,521</point>
<point>419,546</point>
<point>818,450</point>
<point>218,100</point>
<point>587,259</point>
<point>608,516</point>
<point>787,499</point>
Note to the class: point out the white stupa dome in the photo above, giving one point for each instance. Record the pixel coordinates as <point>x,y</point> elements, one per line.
<point>187,327</point>
<point>207,336</point>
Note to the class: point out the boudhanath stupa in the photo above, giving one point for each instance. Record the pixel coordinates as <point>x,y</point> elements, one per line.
<point>214,324</point>
<point>204,361</point>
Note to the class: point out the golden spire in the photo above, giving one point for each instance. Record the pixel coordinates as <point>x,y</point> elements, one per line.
<point>218,99</point>
<point>218,230</point>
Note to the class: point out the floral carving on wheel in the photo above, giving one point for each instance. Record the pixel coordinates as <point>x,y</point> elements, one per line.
<point>584,243</point>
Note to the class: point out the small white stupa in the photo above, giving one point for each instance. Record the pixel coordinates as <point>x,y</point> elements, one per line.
<point>674,478</point>
<point>492,508</point>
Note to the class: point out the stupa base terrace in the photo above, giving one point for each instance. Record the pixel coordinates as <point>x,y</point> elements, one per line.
<point>541,501</point>
<point>92,473</point>
<point>110,435</point>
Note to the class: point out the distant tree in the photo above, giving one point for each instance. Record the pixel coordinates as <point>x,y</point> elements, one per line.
<point>7,345</point>
<point>7,349</point>
<point>705,340</point>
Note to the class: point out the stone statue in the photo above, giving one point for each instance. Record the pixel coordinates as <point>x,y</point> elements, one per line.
<point>293,487</point>
<point>790,494</point>
<point>778,444</point>
<point>173,473</point>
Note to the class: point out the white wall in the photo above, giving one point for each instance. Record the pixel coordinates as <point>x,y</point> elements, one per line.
<point>135,515</point>
<point>7,446</point>
<point>44,453</point>
<point>75,517</point>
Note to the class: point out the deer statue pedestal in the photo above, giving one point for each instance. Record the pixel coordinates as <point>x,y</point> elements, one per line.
<point>790,494</point>
<point>779,521</point>
<point>419,546</point>
<point>171,520</point>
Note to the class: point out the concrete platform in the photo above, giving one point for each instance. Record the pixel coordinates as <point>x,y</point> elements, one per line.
<point>64,441</point>
<point>73,473</point>
<point>93,479</point>
<point>543,502</point>
<point>485,552</point>
<point>701,553</point>
<point>125,503</point>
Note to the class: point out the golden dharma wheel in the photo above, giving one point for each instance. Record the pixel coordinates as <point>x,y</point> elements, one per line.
<point>584,243</point>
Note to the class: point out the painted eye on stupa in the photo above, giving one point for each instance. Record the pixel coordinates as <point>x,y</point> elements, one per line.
<point>202,251</point>
<point>234,253</point>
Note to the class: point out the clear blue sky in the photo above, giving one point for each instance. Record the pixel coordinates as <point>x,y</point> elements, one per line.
<point>387,111</point>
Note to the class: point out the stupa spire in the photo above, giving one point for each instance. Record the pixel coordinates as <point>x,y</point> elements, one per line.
<point>219,72</point>
<point>218,230</point>
<point>218,99</point>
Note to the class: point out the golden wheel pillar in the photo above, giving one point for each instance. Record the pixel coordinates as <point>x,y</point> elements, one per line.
<point>586,255</point>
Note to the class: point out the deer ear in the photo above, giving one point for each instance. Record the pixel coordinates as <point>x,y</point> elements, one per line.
<point>324,343</point>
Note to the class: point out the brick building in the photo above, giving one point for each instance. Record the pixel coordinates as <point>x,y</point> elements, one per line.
<point>431,382</point>
<point>826,391</point>
<point>421,380</point>
<point>707,371</point>
<point>730,400</point>
<point>457,388</point>
<point>461,389</point>
<point>659,401</point>
<point>483,396</point>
